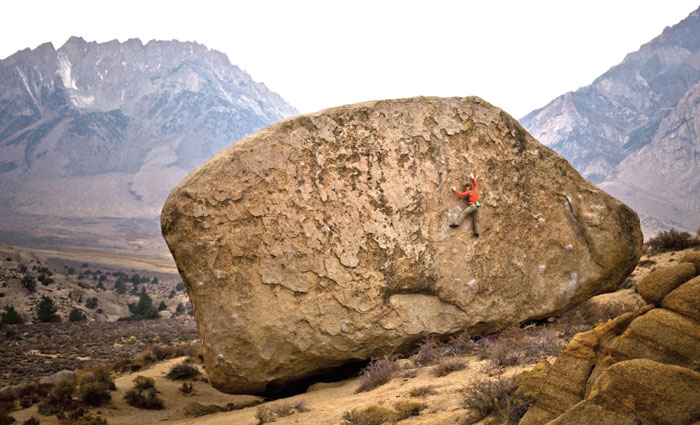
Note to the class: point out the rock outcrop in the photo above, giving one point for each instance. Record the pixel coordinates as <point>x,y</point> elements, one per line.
<point>638,368</point>
<point>325,238</point>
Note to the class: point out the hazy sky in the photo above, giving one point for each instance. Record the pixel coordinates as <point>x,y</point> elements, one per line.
<point>516,54</point>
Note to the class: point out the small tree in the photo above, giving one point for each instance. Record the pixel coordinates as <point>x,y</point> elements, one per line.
<point>77,315</point>
<point>155,280</point>
<point>162,306</point>
<point>144,309</point>
<point>11,317</point>
<point>46,311</point>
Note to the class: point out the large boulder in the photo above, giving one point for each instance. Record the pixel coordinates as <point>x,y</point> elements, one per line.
<point>325,238</point>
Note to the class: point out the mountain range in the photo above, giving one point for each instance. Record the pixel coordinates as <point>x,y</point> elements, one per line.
<point>95,135</point>
<point>635,131</point>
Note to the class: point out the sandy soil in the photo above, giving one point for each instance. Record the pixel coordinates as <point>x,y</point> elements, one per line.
<point>327,403</point>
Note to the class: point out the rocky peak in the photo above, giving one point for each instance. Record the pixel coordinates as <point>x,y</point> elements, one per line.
<point>607,128</point>
<point>133,117</point>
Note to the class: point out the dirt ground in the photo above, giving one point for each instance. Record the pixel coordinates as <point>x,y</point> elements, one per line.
<point>326,404</point>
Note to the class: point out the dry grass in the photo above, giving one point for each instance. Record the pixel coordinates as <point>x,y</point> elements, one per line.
<point>269,413</point>
<point>447,366</point>
<point>519,345</point>
<point>378,415</point>
<point>497,397</point>
<point>423,391</point>
<point>432,351</point>
<point>378,372</point>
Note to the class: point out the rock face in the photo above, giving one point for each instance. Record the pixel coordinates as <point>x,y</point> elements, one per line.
<point>325,238</point>
<point>639,367</point>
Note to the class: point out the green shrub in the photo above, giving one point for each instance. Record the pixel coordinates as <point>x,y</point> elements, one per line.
<point>76,315</point>
<point>162,306</point>
<point>11,317</point>
<point>91,303</point>
<point>143,383</point>
<point>180,286</point>
<point>672,240</point>
<point>143,399</point>
<point>91,419</point>
<point>60,399</point>
<point>120,286</point>
<point>94,393</point>
<point>182,371</point>
<point>99,374</point>
<point>45,280</point>
<point>31,421</point>
<point>172,294</point>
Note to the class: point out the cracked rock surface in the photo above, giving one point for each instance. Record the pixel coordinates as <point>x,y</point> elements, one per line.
<point>325,238</point>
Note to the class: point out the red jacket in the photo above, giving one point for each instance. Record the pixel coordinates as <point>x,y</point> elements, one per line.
<point>472,194</point>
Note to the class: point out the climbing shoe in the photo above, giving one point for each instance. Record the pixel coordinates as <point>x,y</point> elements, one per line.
<point>476,235</point>
<point>454,225</point>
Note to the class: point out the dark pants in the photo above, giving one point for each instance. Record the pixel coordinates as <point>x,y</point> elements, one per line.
<point>474,211</point>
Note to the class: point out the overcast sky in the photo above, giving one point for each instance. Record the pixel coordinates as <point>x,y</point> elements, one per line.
<point>516,54</point>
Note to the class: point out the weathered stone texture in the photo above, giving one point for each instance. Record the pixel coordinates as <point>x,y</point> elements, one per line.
<point>685,300</point>
<point>639,391</point>
<point>639,368</point>
<point>657,284</point>
<point>324,238</point>
<point>694,258</point>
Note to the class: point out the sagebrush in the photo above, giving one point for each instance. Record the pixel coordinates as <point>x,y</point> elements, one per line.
<point>672,240</point>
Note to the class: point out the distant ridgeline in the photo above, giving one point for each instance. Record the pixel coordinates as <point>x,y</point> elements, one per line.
<point>107,130</point>
<point>633,132</point>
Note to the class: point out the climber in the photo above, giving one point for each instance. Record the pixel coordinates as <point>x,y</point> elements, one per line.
<point>471,193</point>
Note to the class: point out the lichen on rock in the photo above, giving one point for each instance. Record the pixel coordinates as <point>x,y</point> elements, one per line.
<point>325,238</point>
